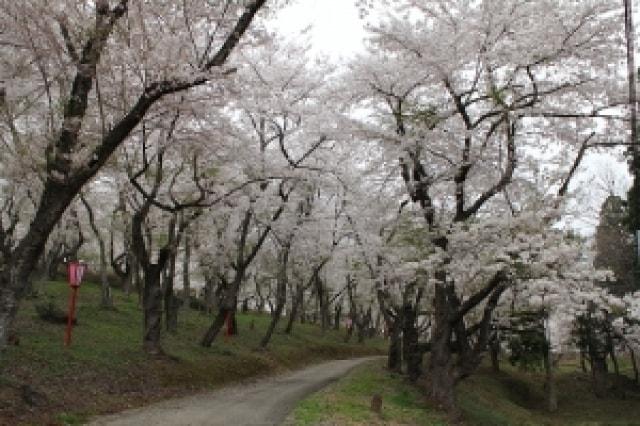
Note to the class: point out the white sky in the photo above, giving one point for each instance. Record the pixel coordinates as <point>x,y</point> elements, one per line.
<point>335,28</point>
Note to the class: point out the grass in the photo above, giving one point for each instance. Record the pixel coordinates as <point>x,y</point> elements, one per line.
<point>348,401</point>
<point>105,369</point>
<point>514,397</point>
<point>511,397</point>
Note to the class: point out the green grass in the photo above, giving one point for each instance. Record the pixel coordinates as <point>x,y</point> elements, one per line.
<point>348,401</point>
<point>106,370</point>
<point>508,398</point>
<point>515,397</point>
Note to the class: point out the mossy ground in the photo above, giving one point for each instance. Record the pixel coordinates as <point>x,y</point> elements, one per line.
<point>105,369</point>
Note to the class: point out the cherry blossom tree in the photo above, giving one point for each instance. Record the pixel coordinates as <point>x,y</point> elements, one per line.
<point>69,60</point>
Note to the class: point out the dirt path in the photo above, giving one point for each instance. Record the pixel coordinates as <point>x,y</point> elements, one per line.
<point>266,402</point>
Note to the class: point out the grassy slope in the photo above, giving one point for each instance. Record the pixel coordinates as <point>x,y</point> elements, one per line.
<point>348,401</point>
<point>105,370</point>
<point>514,397</point>
<point>509,398</point>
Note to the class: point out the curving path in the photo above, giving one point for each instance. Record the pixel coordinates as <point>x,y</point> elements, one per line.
<point>266,402</point>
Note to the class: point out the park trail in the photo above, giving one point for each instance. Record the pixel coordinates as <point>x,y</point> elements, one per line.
<point>264,402</point>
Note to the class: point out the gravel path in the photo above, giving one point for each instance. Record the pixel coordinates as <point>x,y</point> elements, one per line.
<point>266,402</point>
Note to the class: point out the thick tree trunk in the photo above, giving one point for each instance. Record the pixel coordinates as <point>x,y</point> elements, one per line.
<point>410,349</point>
<point>394,359</point>
<point>441,378</point>
<point>152,310</point>
<point>599,375</point>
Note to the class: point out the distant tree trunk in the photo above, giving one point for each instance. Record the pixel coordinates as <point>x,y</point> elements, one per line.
<point>170,299</point>
<point>186,263</point>
<point>296,300</point>
<point>583,360</point>
<point>338,312</point>
<point>106,300</point>
<point>363,321</point>
<point>550,382</point>
<point>634,364</point>
<point>495,352</point>
<point>281,292</point>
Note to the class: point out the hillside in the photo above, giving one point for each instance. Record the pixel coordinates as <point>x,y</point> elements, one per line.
<point>105,370</point>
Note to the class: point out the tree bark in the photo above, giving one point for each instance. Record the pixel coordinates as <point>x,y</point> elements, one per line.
<point>338,313</point>
<point>410,348</point>
<point>441,379</point>
<point>152,306</point>
<point>495,353</point>
<point>296,300</point>
<point>170,298</point>
<point>599,375</point>
<point>394,358</point>
<point>186,263</point>
<point>281,291</point>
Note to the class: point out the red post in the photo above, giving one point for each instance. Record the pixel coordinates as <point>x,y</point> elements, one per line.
<point>75,271</point>
<point>71,314</point>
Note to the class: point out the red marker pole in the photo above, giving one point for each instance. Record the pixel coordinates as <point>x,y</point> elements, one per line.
<point>75,271</point>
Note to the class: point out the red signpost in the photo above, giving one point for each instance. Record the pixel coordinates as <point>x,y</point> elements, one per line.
<point>75,271</point>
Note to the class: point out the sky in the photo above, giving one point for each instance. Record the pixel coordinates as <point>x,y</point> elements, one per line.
<point>335,28</point>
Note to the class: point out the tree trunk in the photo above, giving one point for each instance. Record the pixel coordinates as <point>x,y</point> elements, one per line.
<point>170,299</point>
<point>583,360</point>
<point>441,378</point>
<point>410,350</point>
<point>634,364</point>
<point>152,310</point>
<point>281,293</point>
<point>106,300</point>
<point>495,353</point>
<point>338,312</point>
<point>8,310</point>
<point>599,375</point>
<point>394,359</point>
<point>227,306</point>
<point>186,263</point>
<point>295,306</point>
<point>550,383</point>
<point>216,326</point>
